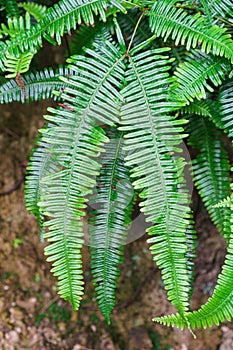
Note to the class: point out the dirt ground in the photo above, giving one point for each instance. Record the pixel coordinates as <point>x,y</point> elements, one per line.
<point>32,315</point>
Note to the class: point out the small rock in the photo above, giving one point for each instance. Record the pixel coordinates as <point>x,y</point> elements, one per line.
<point>12,336</point>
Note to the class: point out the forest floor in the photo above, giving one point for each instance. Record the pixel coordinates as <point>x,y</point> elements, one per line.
<point>32,315</point>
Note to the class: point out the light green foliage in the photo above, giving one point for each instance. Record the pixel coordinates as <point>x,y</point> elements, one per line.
<point>35,10</point>
<point>143,77</point>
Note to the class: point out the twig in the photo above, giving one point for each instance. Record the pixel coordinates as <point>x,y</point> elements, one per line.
<point>17,184</point>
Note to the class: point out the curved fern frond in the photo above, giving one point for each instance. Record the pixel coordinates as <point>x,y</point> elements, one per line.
<point>40,164</point>
<point>192,77</point>
<point>210,168</point>
<point>220,306</point>
<point>18,65</point>
<point>108,230</point>
<point>151,134</point>
<point>191,30</point>
<point>16,25</point>
<point>75,139</point>
<point>38,86</point>
<point>35,10</point>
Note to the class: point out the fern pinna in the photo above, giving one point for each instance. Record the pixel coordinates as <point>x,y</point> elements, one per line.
<point>155,75</point>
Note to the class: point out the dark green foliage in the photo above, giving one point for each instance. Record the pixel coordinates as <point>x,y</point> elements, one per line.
<point>210,168</point>
<point>12,9</point>
<point>108,227</point>
<point>140,73</point>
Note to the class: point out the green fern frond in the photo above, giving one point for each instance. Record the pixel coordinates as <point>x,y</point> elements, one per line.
<point>220,306</point>
<point>12,9</point>
<point>57,21</point>
<point>75,139</point>
<point>40,164</point>
<point>151,135</point>
<point>210,168</point>
<point>191,30</point>
<point>17,65</point>
<point>108,228</point>
<point>226,202</point>
<point>198,108</point>
<point>38,86</point>
<point>16,25</point>
<point>192,76</point>
<point>221,8</point>
<point>35,10</point>
<point>224,119</point>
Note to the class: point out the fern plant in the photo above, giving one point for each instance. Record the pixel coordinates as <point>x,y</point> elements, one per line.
<point>143,78</point>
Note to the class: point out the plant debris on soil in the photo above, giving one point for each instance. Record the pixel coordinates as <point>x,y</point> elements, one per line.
<point>34,317</point>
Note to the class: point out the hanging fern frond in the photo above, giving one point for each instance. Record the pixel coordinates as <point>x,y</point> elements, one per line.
<point>35,10</point>
<point>223,118</point>
<point>38,86</point>
<point>75,139</point>
<point>18,65</point>
<point>192,76</point>
<point>40,165</point>
<point>220,306</point>
<point>108,227</point>
<point>169,21</point>
<point>150,136</point>
<point>210,168</point>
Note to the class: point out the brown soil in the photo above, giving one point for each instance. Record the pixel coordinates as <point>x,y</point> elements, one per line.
<point>32,315</point>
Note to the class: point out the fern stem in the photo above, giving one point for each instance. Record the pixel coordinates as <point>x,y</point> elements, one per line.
<point>135,30</point>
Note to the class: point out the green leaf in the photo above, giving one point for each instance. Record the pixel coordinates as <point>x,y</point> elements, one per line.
<point>75,140</point>
<point>151,134</point>
<point>108,227</point>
